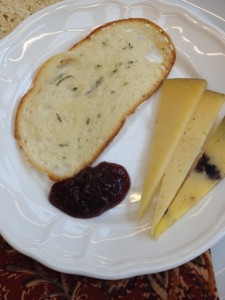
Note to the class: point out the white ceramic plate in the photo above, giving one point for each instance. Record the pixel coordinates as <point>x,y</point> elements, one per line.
<point>113,245</point>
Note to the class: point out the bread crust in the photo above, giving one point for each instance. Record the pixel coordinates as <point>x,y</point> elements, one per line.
<point>20,110</point>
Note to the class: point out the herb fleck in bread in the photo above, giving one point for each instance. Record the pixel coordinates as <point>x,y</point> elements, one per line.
<point>80,98</point>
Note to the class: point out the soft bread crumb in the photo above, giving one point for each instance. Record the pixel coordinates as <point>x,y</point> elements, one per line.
<point>81,97</point>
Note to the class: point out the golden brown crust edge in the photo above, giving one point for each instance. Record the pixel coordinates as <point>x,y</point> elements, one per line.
<point>122,121</point>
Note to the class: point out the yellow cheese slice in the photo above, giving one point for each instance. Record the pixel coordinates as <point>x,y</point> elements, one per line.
<point>209,170</point>
<point>178,102</point>
<point>187,151</point>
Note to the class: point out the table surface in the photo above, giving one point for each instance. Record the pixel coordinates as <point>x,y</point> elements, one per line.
<point>213,11</point>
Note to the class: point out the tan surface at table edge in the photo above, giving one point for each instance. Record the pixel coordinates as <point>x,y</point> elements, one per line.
<point>13,12</point>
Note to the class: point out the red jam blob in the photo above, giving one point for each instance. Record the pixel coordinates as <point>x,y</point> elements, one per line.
<point>92,191</point>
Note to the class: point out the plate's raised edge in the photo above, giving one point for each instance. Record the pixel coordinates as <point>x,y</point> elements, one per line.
<point>200,13</point>
<point>88,272</point>
<point>51,9</point>
<point>107,274</point>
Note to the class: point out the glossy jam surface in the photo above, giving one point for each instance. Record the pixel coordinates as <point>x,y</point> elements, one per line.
<point>92,191</point>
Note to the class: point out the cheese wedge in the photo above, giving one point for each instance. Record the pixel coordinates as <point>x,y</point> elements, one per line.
<point>187,151</point>
<point>178,102</point>
<point>209,170</point>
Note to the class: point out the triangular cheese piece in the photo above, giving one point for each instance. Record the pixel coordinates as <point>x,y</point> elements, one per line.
<point>187,151</point>
<point>178,102</point>
<point>209,170</point>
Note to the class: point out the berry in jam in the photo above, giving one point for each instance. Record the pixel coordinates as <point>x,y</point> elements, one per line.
<point>92,191</point>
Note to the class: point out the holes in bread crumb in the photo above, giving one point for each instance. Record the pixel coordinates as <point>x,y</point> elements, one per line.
<point>66,61</point>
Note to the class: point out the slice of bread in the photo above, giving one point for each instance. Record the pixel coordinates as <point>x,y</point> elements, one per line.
<point>80,98</point>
